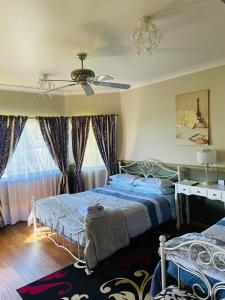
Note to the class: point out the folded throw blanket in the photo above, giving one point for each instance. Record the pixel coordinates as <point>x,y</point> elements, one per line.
<point>105,236</point>
<point>92,211</point>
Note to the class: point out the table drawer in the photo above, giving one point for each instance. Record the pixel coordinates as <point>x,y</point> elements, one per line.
<point>213,194</point>
<point>194,190</point>
<point>183,189</point>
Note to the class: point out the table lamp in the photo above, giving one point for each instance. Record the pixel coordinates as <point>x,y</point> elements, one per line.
<point>206,157</point>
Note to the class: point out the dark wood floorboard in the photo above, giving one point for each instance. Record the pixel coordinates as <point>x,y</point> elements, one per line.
<point>23,260</point>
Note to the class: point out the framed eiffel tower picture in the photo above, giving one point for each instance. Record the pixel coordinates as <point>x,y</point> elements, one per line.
<point>192,118</point>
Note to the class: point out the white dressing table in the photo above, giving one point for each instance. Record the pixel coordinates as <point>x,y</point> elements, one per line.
<point>212,192</point>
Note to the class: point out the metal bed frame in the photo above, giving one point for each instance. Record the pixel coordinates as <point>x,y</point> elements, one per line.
<point>150,168</point>
<point>200,255</point>
<point>144,168</point>
<point>56,231</point>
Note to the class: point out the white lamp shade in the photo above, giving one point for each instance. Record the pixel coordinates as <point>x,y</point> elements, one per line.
<point>206,157</point>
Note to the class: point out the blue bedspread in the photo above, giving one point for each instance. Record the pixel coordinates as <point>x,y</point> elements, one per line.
<point>160,208</point>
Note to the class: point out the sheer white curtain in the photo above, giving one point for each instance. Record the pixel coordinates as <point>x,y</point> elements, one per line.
<point>93,169</point>
<point>31,172</point>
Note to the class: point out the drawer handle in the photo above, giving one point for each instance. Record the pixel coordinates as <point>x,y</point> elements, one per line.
<point>198,192</point>
<point>214,194</point>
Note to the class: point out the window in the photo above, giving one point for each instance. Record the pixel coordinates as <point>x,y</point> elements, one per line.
<point>92,156</point>
<point>93,168</point>
<point>31,155</point>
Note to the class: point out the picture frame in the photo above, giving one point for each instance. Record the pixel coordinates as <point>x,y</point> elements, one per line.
<point>192,118</point>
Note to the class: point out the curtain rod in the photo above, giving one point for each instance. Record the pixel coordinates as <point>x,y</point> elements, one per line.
<point>34,118</point>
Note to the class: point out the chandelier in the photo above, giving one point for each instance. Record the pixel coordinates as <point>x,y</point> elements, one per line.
<point>146,37</point>
<point>45,86</point>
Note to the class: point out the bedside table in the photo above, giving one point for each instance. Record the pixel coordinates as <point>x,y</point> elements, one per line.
<point>212,192</point>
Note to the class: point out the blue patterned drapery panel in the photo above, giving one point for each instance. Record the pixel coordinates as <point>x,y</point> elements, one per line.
<point>80,130</point>
<point>104,127</point>
<point>55,134</point>
<point>11,128</point>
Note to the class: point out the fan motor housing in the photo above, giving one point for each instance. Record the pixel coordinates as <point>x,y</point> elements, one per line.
<point>81,74</point>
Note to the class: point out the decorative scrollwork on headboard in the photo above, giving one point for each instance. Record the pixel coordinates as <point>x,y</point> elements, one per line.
<point>150,168</point>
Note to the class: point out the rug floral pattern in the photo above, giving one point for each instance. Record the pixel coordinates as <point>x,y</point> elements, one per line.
<point>125,276</point>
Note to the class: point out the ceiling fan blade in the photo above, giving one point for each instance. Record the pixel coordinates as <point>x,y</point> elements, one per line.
<point>101,78</point>
<point>113,85</point>
<point>56,80</point>
<point>58,88</point>
<point>87,89</point>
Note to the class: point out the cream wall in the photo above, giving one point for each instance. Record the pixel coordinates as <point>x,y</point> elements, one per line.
<point>30,104</point>
<point>93,105</point>
<point>148,118</point>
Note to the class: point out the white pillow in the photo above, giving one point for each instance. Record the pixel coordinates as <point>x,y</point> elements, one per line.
<point>123,177</point>
<point>153,182</point>
<point>121,184</point>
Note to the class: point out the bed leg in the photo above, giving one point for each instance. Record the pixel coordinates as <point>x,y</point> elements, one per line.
<point>88,272</point>
<point>162,240</point>
<point>119,165</point>
<point>177,205</point>
<point>179,173</point>
<point>35,217</point>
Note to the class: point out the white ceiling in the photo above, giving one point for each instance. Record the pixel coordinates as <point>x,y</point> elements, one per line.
<point>43,36</point>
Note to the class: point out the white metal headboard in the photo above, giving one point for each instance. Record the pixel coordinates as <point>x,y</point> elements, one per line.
<point>150,168</point>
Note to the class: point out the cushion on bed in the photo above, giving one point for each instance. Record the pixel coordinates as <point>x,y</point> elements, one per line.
<point>160,182</point>
<point>153,189</point>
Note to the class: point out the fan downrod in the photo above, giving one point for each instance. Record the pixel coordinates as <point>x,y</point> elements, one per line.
<point>82,56</point>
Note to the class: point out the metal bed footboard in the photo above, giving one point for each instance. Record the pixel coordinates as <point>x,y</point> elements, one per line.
<point>56,232</point>
<point>200,256</point>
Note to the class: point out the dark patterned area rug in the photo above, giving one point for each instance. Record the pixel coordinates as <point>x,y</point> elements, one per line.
<point>125,276</point>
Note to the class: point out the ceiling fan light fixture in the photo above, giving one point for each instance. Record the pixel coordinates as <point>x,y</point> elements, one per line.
<point>81,74</point>
<point>146,37</point>
<point>45,86</point>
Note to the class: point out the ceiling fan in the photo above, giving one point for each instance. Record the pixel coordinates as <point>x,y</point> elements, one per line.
<point>83,77</point>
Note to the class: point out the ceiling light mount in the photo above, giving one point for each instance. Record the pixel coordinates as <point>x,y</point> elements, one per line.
<point>146,37</point>
<point>80,75</point>
<point>82,56</point>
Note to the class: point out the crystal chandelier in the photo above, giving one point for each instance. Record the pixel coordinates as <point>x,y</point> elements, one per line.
<point>146,37</point>
<point>45,86</point>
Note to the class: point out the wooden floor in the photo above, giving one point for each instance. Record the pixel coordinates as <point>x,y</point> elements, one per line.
<point>23,260</point>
